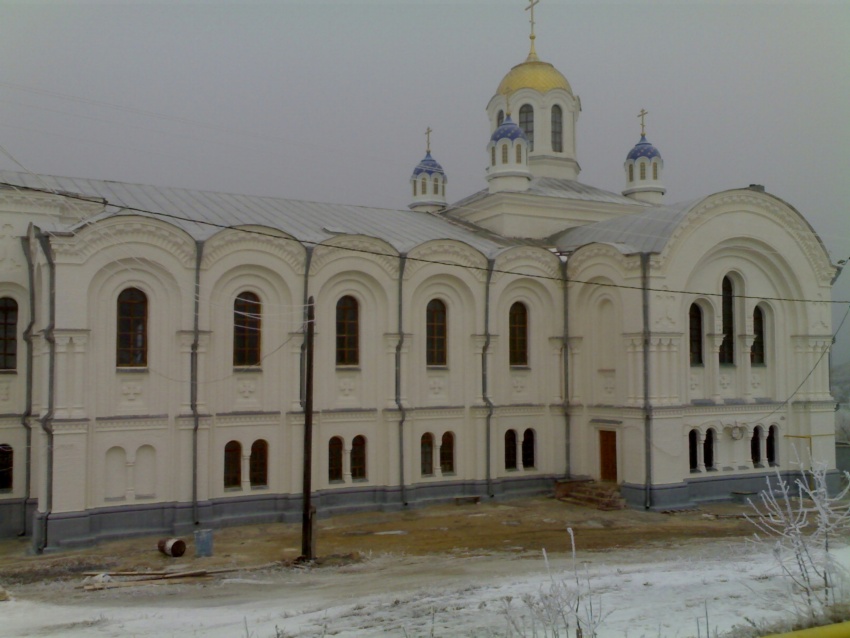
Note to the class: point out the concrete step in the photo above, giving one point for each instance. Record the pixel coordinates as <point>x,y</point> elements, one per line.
<point>603,496</point>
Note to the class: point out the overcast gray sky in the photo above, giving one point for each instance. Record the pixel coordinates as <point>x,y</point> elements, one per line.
<point>329,101</point>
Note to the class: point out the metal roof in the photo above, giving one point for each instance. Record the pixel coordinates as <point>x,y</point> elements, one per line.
<point>644,232</point>
<point>203,213</point>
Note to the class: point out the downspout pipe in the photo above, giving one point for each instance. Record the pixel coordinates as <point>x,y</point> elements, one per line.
<point>27,414</point>
<point>491,263</point>
<point>398,349</point>
<point>647,404</point>
<point>193,382</point>
<point>46,421</point>
<point>307,261</point>
<point>566,364</point>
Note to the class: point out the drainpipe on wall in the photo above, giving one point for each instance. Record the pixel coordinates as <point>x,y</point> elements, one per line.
<point>403,413</point>
<point>647,407</point>
<point>193,383</point>
<point>27,414</point>
<point>566,365</point>
<point>484,390</point>
<point>303,372</point>
<point>46,420</point>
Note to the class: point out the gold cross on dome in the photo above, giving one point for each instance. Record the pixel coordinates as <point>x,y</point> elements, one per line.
<point>642,115</point>
<point>428,132</point>
<point>530,8</point>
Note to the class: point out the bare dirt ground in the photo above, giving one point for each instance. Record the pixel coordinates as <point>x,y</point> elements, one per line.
<point>512,527</point>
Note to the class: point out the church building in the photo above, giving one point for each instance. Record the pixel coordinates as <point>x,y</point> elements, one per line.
<point>152,340</point>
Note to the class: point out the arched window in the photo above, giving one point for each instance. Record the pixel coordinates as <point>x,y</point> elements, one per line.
<point>335,459</point>
<point>493,155</point>
<point>414,188</point>
<point>424,189</point>
<point>727,346</point>
<point>757,350</point>
<point>436,331</point>
<point>358,458</point>
<point>259,463</point>
<point>347,332</point>
<point>642,170</point>
<point>695,332</point>
<point>447,453</point>
<point>504,153</point>
<point>693,450</point>
<point>132,329</point>
<point>510,450</point>
<point>500,117</point>
<point>426,449</point>
<point>519,153</point>
<point>557,129</point>
<point>8,334</point>
<point>772,456</point>
<point>436,185</point>
<point>528,449</point>
<point>526,123</point>
<point>631,172</point>
<point>7,466</point>
<point>708,450</point>
<point>246,329</point>
<point>518,334</point>
<point>655,170</point>
<point>755,446</point>
<point>233,464</point>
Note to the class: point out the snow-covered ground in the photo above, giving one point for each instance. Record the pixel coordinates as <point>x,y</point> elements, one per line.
<point>646,592</point>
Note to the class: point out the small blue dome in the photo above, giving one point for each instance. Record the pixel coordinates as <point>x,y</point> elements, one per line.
<point>643,149</point>
<point>429,166</point>
<point>508,130</point>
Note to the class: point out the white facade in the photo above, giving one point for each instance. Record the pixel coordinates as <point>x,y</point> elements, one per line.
<point>452,359</point>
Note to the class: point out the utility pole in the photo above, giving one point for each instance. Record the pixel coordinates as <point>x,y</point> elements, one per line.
<point>308,516</point>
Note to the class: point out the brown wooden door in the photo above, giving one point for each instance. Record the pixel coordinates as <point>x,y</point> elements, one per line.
<point>608,455</point>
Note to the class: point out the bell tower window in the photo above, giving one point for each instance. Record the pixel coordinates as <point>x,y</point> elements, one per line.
<point>526,123</point>
<point>504,153</point>
<point>557,129</point>
<point>500,118</point>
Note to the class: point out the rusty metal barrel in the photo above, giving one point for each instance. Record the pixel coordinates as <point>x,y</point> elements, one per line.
<point>172,547</point>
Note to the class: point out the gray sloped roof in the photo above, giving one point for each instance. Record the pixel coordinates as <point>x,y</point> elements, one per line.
<point>645,232</point>
<point>560,188</point>
<point>309,222</point>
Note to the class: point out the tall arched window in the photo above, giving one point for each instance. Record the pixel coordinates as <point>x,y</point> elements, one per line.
<point>504,153</point>
<point>247,326</point>
<point>708,450</point>
<point>557,129</point>
<point>693,450</point>
<point>7,466</point>
<point>414,188</point>
<point>500,118</point>
<point>772,455</point>
<point>233,464</point>
<point>493,155</point>
<point>526,123</point>
<point>631,172</point>
<point>655,170</point>
<point>727,346</point>
<point>424,188</point>
<point>8,334</point>
<point>518,334</point>
<point>132,329</point>
<point>528,460</point>
<point>358,458</point>
<point>510,450</point>
<point>642,170</point>
<point>447,453</point>
<point>426,453</point>
<point>436,185</point>
<point>755,446</point>
<point>259,463</point>
<point>347,332</point>
<point>695,333</point>
<point>757,350</point>
<point>436,331</point>
<point>519,153</point>
<point>335,459</point>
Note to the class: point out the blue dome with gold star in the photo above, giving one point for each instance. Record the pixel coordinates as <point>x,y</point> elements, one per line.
<point>508,130</point>
<point>429,166</point>
<point>643,149</point>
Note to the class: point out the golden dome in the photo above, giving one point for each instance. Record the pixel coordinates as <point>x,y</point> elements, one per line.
<point>533,74</point>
